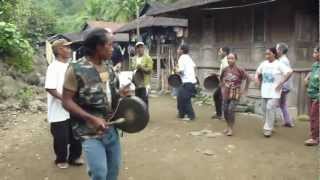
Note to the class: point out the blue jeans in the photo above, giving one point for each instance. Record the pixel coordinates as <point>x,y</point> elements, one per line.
<point>103,156</point>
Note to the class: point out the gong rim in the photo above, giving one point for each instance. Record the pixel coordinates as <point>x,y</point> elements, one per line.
<point>141,114</point>
<point>174,80</point>
<point>211,82</point>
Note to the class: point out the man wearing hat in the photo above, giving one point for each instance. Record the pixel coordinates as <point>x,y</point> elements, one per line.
<point>143,63</point>
<point>58,117</point>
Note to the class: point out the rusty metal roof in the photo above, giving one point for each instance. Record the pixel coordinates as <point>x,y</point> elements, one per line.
<point>151,7</point>
<point>182,4</point>
<point>103,24</point>
<point>149,21</point>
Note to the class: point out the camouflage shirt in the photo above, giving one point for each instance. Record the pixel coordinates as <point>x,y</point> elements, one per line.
<point>96,91</point>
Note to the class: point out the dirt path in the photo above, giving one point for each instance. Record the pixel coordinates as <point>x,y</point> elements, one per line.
<point>167,151</point>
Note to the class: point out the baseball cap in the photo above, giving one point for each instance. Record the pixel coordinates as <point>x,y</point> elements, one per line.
<point>139,44</point>
<point>60,42</point>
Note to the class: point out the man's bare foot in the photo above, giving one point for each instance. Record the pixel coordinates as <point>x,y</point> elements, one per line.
<point>230,132</point>
<point>62,165</point>
<point>311,142</point>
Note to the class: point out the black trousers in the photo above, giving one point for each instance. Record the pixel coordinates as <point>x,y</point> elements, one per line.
<point>217,98</point>
<point>62,137</point>
<point>143,95</point>
<point>184,104</point>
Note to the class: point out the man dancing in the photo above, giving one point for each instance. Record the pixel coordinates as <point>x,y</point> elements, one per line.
<point>186,68</point>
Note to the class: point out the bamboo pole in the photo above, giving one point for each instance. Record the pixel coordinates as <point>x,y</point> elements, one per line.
<point>138,20</point>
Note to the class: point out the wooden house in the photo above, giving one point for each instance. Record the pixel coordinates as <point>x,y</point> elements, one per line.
<point>161,36</point>
<point>77,38</point>
<point>248,27</point>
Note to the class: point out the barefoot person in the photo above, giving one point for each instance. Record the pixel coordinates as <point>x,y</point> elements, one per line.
<point>90,89</point>
<point>282,50</point>
<point>274,75</point>
<point>231,79</point>
<point>217,95</point>
<point>313,83</point>
<point>57,116</point>
<point>186,69</point>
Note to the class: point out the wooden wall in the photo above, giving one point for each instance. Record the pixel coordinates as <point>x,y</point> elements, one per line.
<point>249,31</point>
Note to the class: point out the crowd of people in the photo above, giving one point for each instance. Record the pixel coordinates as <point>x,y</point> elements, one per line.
<point>82,94</point>
<point>273,76</point>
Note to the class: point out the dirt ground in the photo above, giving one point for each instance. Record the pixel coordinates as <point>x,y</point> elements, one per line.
<point>166,150</point>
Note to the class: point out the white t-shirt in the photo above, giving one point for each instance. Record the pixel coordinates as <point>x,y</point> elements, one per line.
<point>284,60</point>
<point>272,74</point>
<point>54,80</point>
<point>187,66</point>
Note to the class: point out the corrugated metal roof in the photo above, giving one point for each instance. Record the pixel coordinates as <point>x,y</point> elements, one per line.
<point>149,21</point>
<point>182,4</point>
<point>152,7</point>
<point>103,24</point>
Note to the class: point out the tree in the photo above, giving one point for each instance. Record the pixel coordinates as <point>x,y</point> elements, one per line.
<point>6,9</point>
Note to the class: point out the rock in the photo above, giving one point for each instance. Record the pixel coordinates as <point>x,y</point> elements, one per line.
<point>200,133</point>
<point>3,107</point>
<point>242,108</point>
<point>208,152</point>
<point>303,118</point>
<point>32,78</point>
<point>213,135</point>
<point>205,131</point>
<point>8,88</point>
<point>37,105</point>
<point>196,133</point>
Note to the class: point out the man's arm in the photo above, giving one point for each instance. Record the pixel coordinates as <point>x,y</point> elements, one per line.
<point>54,93</point>
<point>133,64</point>
<point>257,76</point>
<point>147,65</point>
<point>69,91</point>
<point>306,79</point>
<point>285,79</point>
<point>287,74</point>
<point>51,83</point>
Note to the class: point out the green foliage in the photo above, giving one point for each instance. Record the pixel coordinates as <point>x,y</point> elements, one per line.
<point>25,95</point>
<point>39,25</point>
<point>6,9</point>
<point>15,48</point>
<point>107,10</point>
<point>34,21</point>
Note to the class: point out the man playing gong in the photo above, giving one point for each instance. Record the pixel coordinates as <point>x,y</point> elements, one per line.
<point>90,89</point>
